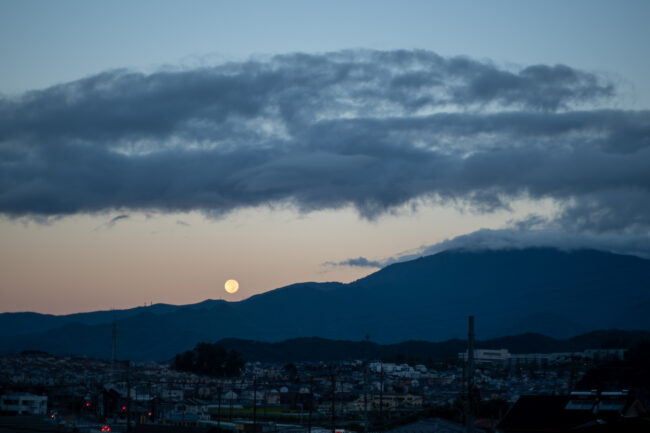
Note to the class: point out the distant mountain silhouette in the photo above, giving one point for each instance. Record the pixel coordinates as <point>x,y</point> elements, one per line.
<point>556,293</point>
<point>320,349</point>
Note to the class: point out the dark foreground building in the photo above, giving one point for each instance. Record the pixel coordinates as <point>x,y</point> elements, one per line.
<point>587,412</point>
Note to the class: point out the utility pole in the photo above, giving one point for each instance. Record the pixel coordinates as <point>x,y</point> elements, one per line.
<point>128,396</point>
<point>254,404</point>
<point>219,409</point>
<point>232,397</point>
<point>365,385</point>
<point>469,373</point>
<point>572,374</point>
<point>153,415</point>
<point>365,397</point>
<point>113,347</point>
<point>333,409</point>
<point>311,403</point>
<point>381,395</point>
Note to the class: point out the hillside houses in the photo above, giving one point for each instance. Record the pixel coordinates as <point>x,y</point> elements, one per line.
<point>79,389</point>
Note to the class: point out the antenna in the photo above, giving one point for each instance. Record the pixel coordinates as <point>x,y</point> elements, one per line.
<point>114,345</point>
<point>469,418</point>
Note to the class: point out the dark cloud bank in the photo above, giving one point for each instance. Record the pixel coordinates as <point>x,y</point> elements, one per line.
<point>368,129</point>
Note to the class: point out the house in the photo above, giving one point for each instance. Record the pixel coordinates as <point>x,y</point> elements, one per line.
<point>23,403</point>
<point>577,412</point>
<point>273,397</point>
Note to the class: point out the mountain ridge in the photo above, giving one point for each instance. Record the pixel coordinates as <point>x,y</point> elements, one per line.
<point>320,349</point>
<point>559,293</point>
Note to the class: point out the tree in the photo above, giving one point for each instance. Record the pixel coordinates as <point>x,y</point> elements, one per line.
<point>210,360</point>
<point>291,370</point>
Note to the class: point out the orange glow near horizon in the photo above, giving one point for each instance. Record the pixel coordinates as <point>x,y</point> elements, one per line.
<point>77,264</point>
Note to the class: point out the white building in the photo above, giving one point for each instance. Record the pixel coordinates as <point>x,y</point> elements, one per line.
<point>23,403</point>
<point>486,355</point>
<point>504,356</point>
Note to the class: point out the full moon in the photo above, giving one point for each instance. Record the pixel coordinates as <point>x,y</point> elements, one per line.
<point>231,286</point>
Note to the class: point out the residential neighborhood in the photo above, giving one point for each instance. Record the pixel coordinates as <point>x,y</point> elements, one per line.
<point>80,394</point>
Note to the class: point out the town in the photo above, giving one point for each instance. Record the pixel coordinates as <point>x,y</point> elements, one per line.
<point>65,393</point>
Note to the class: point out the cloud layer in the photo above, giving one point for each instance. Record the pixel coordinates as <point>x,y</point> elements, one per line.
<point>517,238</point>
<point>368,129</point>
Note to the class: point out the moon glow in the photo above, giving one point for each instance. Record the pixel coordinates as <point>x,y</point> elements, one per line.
<point>231,286</point>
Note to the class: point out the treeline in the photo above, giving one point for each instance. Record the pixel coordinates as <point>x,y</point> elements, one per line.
<point>424,352</point>
<point>210,360</point>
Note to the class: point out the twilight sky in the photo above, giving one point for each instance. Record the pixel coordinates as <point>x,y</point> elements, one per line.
<point>151,151</point>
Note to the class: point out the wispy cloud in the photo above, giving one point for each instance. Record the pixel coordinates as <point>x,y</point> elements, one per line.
<point>109,224</point>
<point>360,262</point>
<point>368,129</point>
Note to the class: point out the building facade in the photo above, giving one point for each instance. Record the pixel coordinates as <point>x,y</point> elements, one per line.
<point>23,403</point>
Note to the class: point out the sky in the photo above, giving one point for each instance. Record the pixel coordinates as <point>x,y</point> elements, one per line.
<point>151,151</point>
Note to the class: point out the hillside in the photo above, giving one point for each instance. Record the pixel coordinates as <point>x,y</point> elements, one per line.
<point>320,349</point>
<point>556,293</point>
